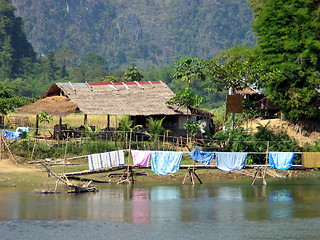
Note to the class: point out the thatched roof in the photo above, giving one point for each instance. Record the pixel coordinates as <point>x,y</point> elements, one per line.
<point>202,113</point>
<point>55,105</point>
<point>107,98</point>
<point>246,91</point>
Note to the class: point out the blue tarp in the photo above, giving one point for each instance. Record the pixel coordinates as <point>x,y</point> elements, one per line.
<point>11,134</point>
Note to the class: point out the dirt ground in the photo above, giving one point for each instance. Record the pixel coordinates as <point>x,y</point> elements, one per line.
<point>7,164</point>
<point>279,125</point>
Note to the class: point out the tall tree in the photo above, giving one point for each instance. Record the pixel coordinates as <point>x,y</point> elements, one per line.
<point>9,100</point>
<point>133,74</point>
<point>92,69</point>
<point>14,47</point>
<point>189,69</point>
<point>289,44</point>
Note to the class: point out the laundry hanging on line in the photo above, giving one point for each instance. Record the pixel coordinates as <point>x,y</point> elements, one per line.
<point>165,162</point>
<point>231,161</point>
<point>141,158</point>
<point>99,161</point>
<point>310,159</point>
<point>200,156</point>
<point>281,160</point>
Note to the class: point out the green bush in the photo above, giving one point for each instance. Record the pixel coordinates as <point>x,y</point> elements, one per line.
<point>238,140</point>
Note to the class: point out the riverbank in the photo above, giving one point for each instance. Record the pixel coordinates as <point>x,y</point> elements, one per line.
<point>12,175</point>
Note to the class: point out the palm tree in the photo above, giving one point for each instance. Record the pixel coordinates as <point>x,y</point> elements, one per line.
<point>155,128</point>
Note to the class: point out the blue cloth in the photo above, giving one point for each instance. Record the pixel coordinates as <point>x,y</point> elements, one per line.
<point>281,160</point>
<point>163,163</point>
<point>11,134</point>
<point>230,161</point>
<point>199,156</point>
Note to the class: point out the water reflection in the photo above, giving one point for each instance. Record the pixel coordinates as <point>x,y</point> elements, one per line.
<point>140,205</point>
<point>280,204</point>
<point>148,204</point>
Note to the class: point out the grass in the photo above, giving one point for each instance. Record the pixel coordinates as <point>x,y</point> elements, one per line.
<point>13,179</point>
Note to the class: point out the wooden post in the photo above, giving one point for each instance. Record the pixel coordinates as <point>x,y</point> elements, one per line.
<point>85,120</point>
<point>261,171</point>
<point>37,125</point>
<point>191,173</point>
<point>130,141</point>
<point>34,147</point>
<point>108,123</point>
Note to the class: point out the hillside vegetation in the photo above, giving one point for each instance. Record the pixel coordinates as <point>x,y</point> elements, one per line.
<point>137,32</point>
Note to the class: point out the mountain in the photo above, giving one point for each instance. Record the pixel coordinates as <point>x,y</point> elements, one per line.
<point>137,32</point>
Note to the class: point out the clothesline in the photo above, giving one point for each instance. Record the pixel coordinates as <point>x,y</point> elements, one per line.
<point>168,162</point>
<point>126,150</point>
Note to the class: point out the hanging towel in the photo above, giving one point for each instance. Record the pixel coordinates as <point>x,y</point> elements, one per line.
<point>281,160</point>
<point>115,158</point>
<point>141,158</point>
<point>99,161</point>
<point>11,134</point>
<point>199,156</point>
<point>105,161</point>
<point>310,159</point>
<point>230,161</point>
<point>94,161</point>
<point>163,163</point>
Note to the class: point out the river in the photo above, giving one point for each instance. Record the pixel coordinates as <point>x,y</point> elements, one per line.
<point>284,209</point>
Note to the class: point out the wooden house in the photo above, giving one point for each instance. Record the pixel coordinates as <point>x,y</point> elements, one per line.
<point>261,102</point>
<point>139,100</point>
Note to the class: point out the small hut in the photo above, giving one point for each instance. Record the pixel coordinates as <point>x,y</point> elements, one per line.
<point>139,100</point>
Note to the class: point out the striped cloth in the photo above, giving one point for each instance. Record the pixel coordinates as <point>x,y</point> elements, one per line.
<point>99,161</point>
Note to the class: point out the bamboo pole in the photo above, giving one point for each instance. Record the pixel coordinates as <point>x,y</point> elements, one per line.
<point>33,149</point>
<point>1,148</point>
<point>65,157</point>
<point>9,151</point>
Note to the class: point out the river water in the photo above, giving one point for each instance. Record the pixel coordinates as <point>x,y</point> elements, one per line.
<point>284,209</point>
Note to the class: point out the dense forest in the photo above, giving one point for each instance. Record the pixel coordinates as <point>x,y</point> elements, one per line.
<point>137,32</point>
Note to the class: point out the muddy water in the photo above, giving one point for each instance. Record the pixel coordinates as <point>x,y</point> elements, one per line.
<point>286,209</point>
